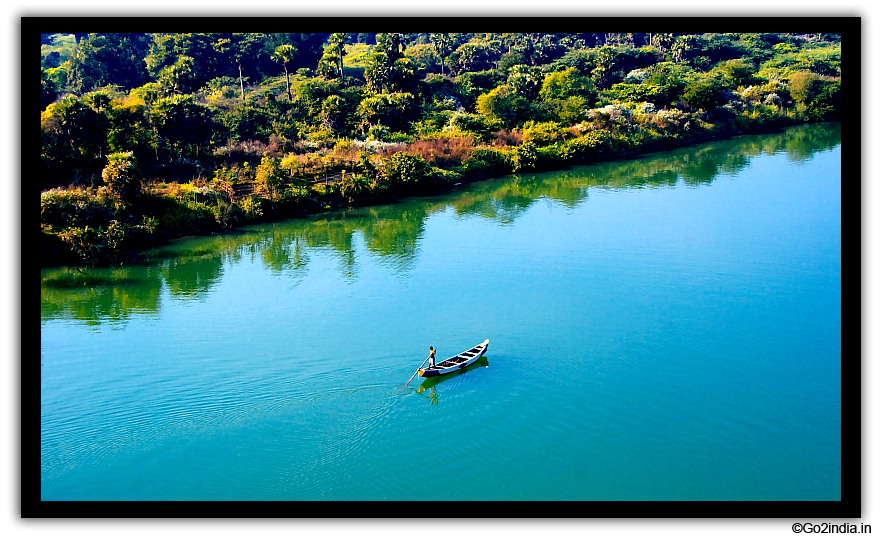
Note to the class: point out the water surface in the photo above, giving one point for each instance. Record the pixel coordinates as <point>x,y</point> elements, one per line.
<point>664,328</point>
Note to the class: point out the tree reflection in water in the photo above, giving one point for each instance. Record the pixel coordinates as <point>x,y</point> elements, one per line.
<point>391,233</point>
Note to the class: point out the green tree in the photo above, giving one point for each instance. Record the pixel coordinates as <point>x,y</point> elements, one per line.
<point>48,94</point>
<point>105,59</point>
<point>526,81</point>
<point>209,61</point>
<point>688,47</point>
<point>178,78</point>
<point>819,98</point>
<point>385,75</point>
<point>394,110</point>
<point>504,106</point>
<point>242,48</point>
<point>285,54</point>
<point>387,70</point>
<point>472,57</point>
<point>334,113</point>
<point>271,178</point>
<point>337,47</point>
<point>565,84</point>
<point>122,175</point>
<point>130,130</point>
<point>738,72</point>
<point>100,101</point>
<point>704,93</point>
<point>442,43</point>
<point>391,44</point>
<point>182,125</point>
<point>378,72</point>
<point>664,41</point>
<point>74,138</point>
<point>424,58</point>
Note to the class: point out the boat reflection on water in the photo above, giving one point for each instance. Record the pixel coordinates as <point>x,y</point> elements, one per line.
<point>430,383</point>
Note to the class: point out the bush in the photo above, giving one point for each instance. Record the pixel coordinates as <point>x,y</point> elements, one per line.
<point>443,176</point>
<point>87,242</point>
<point>122,175</point>
<point>354,187</point>
<point>739,72</point>
<point>60,208</point>
<point>704,93</point>
<point>595,145</point>
<point>379,133</point>
<point>227,214</point>
<point>542,133</point>
<point>524,157</point>
<point>652,93</point>
<point>403,170</point>
<point>554,156</point>
<point>471,124</point>
<point>252,208</point>
<point>820,99</point>
<point>271,179</point>
<point>483,163</point>
<point>179,217</point>
<point>503,106</point>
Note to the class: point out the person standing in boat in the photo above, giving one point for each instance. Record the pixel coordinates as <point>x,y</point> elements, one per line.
<point>432,357</point>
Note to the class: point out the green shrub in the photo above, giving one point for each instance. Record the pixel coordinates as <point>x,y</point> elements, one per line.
<point>485,162</point>
<point>443,176</point>
<point>542,133</point>
<point>188,218</point>
<point>403,170</point>
<point>655,94</point>
<point>122,175</point>
<point>73,208</point>
<point>595,145</point>
<point>554,156</point>
<point>704,93</point>
<point>462,122</point>
<point>354,187</point>
<point>227,214</point>
<point>252,208</point>
<point>379,133</point>
<point>89,243</point>
<point>524,157</point>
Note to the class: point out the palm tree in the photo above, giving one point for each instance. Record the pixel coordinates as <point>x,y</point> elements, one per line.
<point>441,44</point>
<point>284,54</point>
<point>243,47</point>
<point>337,42</point>
<point>354,186</point>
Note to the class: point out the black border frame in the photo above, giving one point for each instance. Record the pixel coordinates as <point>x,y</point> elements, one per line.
<point>849,508</point>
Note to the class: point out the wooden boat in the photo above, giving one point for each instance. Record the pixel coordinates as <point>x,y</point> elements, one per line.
<point>456,362</point>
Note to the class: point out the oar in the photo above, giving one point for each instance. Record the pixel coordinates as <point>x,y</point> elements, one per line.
<point>415,373</point>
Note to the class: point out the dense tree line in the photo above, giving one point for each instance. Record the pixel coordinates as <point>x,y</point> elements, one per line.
<point>243,126</point>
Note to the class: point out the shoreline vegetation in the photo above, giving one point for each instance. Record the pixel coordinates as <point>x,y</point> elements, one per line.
<point>150,137</point>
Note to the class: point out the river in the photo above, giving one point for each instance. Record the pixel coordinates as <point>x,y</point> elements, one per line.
<point>661,328</point>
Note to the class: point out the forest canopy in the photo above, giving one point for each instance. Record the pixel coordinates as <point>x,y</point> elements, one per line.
<point>235,127</point>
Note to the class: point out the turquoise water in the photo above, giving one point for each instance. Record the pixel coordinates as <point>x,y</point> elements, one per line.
<point>664,328</point>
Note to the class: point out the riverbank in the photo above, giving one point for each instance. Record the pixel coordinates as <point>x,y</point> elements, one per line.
<point>93,226</point>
